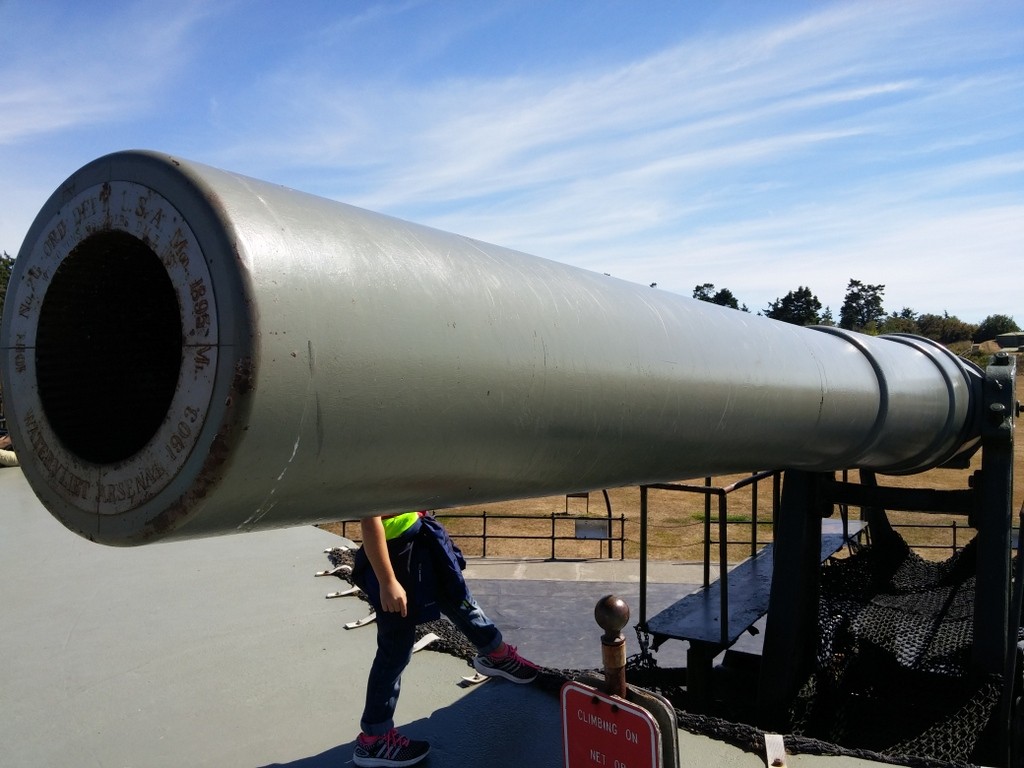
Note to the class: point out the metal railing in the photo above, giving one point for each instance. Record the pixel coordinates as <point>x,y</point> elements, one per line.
<point>722,493</point>
<point>953,527</point>
<point>724,524</point>
<point>567,527</point>
<point>955,540</point>
<point>562,527</point>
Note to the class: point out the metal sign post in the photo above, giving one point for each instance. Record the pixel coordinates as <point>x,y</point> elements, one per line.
<point>606,722</point>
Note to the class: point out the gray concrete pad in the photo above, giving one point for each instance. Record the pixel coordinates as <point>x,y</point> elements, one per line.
<point>212,652</point>
<point>224,652</point>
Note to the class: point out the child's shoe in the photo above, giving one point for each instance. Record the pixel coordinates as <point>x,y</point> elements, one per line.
<point>391,749</point>
<point>510,666</point>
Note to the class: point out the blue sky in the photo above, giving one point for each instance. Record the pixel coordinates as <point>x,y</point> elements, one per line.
<point>758,146</point>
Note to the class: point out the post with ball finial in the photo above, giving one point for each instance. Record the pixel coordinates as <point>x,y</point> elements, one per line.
<point>612,614</point>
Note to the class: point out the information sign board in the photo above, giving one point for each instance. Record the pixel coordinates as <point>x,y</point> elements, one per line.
<point>602,731</point>
<point>592,528</point>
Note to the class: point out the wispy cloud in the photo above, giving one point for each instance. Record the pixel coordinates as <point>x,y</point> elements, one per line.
<point>457,140</point>
<point>60,72</point>
<point>758,156</point>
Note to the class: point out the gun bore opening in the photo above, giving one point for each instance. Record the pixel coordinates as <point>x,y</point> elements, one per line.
<point>108,347</point>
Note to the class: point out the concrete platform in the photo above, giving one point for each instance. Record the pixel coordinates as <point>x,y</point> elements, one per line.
<point>224,652</point>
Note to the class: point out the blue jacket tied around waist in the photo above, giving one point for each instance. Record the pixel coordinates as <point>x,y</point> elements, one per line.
<point>427,563</point>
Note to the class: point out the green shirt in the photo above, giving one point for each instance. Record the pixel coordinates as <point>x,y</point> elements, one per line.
<point>396,525</point>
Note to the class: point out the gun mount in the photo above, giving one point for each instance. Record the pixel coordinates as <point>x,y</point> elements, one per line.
<point>189,352</point>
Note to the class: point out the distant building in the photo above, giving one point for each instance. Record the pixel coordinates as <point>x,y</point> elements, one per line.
<point>1013,340</point>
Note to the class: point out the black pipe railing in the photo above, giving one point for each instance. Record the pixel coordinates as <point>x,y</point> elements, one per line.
<point>558,531</point>
<point>955,540</point>
<point>722,493</point>
<point>616,527</point>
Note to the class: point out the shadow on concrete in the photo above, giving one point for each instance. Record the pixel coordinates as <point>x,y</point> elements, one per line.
<point>335,756</point>
<point>498,724</point>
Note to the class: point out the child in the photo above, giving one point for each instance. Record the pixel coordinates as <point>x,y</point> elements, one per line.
<point>411,571</point>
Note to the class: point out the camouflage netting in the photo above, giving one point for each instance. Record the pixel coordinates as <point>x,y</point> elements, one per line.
<point>891,683</point>
<point>893,665</point>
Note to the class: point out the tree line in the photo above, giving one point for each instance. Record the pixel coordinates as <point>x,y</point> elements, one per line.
<point>6,265</point>
<point>863,310</point>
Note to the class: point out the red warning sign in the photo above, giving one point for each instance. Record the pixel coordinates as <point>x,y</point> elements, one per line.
<point>602,731</point>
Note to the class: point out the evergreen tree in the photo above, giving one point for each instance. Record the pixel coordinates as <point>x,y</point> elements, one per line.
<point>945,328</point>
<point>993,325</point>
<point>6,265</point>
<point>862,307</point>
<point>723,297</point>
<point>903,322</point>
<point>799,307</point>
<point>704,291</point>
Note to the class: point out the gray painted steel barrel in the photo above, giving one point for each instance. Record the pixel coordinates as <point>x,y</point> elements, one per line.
<point>190,352</point>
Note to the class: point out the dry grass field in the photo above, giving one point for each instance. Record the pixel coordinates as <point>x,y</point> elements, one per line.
<point>675,520</point>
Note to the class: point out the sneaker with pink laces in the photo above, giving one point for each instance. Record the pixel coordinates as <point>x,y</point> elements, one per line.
<point>391,749</point>
<point>510,666</point>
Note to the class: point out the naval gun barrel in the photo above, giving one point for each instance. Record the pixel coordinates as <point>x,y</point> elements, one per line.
<point>190,352</point>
